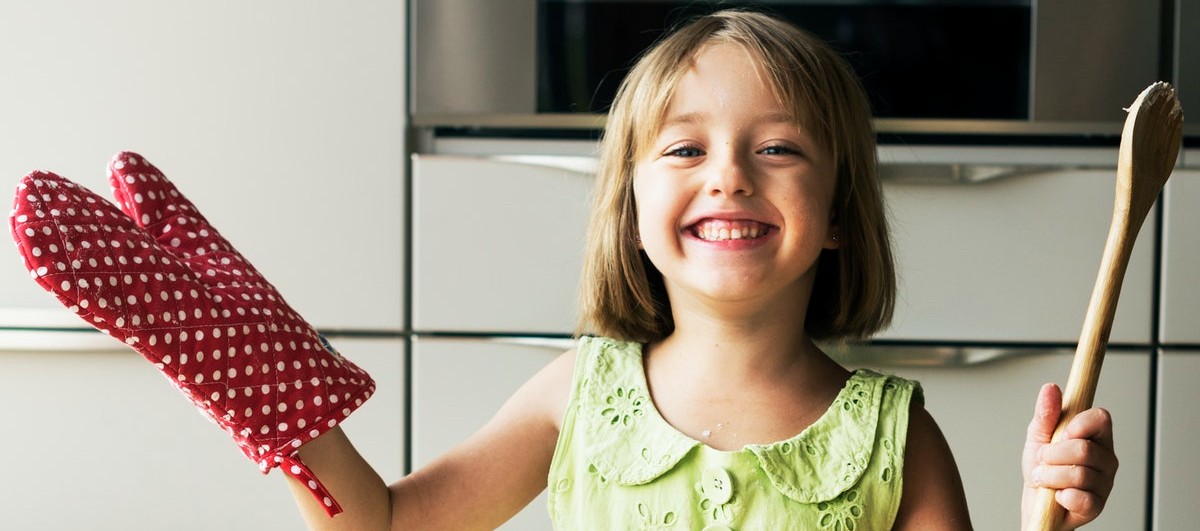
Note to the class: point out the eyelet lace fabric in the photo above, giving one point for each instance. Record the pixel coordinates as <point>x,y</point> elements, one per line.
<point>620,465</point>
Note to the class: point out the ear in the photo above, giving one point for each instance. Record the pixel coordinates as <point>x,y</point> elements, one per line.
<point>833,238</point>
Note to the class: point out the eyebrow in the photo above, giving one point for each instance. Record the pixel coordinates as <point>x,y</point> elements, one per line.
<point>701,117</point>
<point>686,118</point>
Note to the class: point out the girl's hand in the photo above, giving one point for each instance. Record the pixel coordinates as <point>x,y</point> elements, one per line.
<point>154,274</point>
<point>1081,466</point>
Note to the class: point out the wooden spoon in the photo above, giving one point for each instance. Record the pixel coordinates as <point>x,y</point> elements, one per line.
<point>1149,147</point>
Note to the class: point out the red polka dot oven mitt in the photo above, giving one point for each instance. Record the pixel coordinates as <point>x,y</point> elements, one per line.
<point>155,275</point>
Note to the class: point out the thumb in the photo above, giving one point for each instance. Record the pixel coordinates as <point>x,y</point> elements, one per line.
<point>1046,413</point>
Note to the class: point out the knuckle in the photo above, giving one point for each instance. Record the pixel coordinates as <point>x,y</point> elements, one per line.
<point>1089,505</point>
<point>1084,451</point>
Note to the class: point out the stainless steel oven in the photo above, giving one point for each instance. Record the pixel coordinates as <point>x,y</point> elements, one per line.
<point>930,66</point>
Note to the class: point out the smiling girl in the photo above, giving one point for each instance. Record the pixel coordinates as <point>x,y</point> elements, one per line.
<point>738,222</point>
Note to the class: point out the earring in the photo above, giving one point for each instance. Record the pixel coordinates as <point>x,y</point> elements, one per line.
<point>836,239</point>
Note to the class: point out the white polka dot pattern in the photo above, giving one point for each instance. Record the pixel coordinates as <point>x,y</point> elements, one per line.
<point>155,275</point>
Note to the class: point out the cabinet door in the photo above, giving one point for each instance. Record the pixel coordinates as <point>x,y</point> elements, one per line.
<point>1012,258</point>
<point>1181,259</point>
<point>101,426</point>
<point>450,403</point>
<point>284,122</point>
<point>496,245</point>
<point>1177,474</point>
<point>984,409</point>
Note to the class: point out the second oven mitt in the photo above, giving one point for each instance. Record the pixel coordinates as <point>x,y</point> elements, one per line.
<point>155,275</point>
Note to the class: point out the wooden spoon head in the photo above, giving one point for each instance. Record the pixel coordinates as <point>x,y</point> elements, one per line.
<point>1149,148</point>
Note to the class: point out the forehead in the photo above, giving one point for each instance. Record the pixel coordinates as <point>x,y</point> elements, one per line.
<point>722,77</point>
<point>718,75</point>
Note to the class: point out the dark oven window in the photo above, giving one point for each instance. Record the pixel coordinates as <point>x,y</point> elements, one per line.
<point>966,59</point>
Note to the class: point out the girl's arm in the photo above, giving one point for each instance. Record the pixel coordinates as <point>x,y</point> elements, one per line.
<point>478,485</point>
<point>1082,468</point>
<point>933,497</point>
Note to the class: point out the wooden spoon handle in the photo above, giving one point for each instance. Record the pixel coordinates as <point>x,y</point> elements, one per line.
<point>1047,514</point>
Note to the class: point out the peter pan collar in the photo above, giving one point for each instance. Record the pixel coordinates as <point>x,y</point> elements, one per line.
<point>630,443</point>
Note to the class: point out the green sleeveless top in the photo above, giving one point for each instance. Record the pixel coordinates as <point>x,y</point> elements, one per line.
<point>619,465</point>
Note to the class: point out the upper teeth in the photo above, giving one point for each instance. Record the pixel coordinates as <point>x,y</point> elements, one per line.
<point>719,230</point>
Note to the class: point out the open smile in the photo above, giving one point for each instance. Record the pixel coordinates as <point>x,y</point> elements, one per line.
<point>719,230</point>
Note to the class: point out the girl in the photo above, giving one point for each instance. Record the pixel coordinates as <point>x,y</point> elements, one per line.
<point>738,221</point>
<point>737,199</point>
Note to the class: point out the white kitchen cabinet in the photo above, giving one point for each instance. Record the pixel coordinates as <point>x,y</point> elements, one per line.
<point>984,411</point>
<point>95,438</point>
<point>284,122</point>
<point>1011,259</point>
<point>1177,469</point>
<point>1181,259</point>
<point>488,235</point>
<point>460,383</point>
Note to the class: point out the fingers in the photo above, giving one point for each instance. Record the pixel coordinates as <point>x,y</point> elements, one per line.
<point>1081,467</point>
<point>1046,412</point>
<point>1082,506</point>
<point>1094,424</point>
<point>1062,477</point>
<point>1088,442</point>
<point>143,192</point>
<point>95,260</point>
<point>154,203</point>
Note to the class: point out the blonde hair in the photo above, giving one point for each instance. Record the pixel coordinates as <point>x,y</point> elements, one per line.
<point>623,295</point>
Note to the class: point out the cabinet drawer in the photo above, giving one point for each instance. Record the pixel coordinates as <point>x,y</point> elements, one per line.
<point>496,245</point>
<point>133,454</point>
<point>450,403</point>
<point>984,411</point>
<point>1011,259</point>
<point>1181,259</point>
<point>287,132</point>
<point>1177,474</point>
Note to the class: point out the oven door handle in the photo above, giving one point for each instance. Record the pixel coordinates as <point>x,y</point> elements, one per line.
<point>59,341</point>
<point>576,164</point>
<point>558,344</point>
<point>901,172</point>
<point>957,173</point>
<point>908,356</point>
<point>933,355</point>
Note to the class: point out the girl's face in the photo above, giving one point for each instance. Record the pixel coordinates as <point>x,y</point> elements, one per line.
<point>733,197</point>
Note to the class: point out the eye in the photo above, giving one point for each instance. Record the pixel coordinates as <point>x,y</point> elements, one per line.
<point>778,149</point>
<point>685,150</point>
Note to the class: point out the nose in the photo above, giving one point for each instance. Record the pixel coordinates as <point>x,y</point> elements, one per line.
<point>731,175</point>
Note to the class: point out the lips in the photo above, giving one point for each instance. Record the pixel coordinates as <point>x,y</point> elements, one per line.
<point>717,230</point>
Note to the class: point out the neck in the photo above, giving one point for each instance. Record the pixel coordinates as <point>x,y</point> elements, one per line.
<point>741,340</point>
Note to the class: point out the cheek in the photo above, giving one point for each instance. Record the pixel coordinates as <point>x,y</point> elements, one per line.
<point>650,200</point>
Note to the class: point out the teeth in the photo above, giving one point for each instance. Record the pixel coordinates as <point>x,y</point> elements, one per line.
<point>721,230</point>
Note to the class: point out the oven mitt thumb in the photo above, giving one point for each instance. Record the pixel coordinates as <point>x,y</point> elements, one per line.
<point>158,277</point>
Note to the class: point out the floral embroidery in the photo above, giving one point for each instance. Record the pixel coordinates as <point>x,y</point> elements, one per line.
<point>887,459</point>
<point>651,521</point>
<point>841,513</point>
<point>716,512</point>
<point>855,398</point>
<point>623,406</point>
<point>595,472</point>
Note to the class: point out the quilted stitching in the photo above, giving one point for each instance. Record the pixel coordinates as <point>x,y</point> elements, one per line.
<point>158,277</point>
